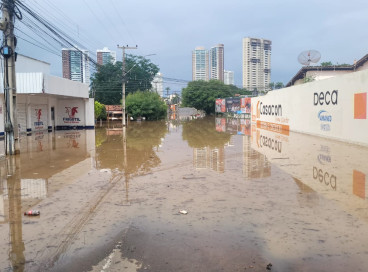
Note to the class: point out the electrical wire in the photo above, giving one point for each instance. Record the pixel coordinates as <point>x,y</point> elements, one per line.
<point>56,33</point>
<point>121,19</point>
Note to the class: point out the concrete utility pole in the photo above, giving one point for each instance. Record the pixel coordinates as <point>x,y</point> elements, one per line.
<point>8,52</point>
<point>123,95</point>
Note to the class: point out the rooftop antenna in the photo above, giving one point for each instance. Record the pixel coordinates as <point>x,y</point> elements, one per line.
<point>308,57</point>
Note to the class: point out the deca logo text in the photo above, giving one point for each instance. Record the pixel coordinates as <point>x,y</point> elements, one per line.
<point>325,98</point>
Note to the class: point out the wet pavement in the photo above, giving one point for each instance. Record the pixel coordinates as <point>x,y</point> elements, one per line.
<point>110,200</point>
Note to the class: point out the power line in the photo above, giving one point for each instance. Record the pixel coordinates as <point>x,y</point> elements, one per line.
<point>122,20</point>
<point>68,24</point>
<point>39,46</point>
<point>56,33</point>
<point>98,18</point>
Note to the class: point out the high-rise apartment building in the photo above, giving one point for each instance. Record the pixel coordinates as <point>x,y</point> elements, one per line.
<point>76,65</point>
<point>229,77</point>
<point>200,69</point>
<point>105,56</point>
<point>256,64</point>
<point>217,62</point>
<point>158,84</point>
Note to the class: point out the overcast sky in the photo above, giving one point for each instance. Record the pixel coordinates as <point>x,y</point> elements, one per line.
<point>171,29</point>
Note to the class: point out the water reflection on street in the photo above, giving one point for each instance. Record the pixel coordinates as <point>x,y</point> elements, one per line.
<point>110,199</point>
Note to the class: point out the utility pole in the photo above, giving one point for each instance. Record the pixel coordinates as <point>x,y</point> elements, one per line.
<point>124,79</point>
<point>8,52</point>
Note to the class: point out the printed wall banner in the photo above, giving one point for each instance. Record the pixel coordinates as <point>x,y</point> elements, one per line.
<point>72,115</point>
<point>245,105</point>
<point>233,104</point>
<point>39,117</point>
<point>236,105</point>
<point>220,105</point>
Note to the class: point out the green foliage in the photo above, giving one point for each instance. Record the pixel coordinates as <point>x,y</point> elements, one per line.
<point>329,63</point>
<point>326,63</point>
<point>175,99</point>
<point>277,85</point>
<point>308,79</point>
<point>106,84</point>
<point>202,94</point>
<point>146,104</point>
<point>100,111</point>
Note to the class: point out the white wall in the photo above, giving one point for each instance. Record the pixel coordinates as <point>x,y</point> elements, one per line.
<point>66,87</point>
<point>323,108</point>
<point>26,64</point>
<point>90,112</point>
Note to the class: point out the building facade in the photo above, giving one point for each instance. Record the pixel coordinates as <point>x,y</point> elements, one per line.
<point>105,56</point>
<point>216,64</point>
<point>229,77</point>
<point>256,64</point>
<point>76,65</point>
<point>158,84</point>
<point>46,103</point>
<point>200,65</point>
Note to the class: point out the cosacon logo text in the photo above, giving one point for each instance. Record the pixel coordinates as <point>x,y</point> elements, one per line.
<point>275,110</point>
<point>325,98</point>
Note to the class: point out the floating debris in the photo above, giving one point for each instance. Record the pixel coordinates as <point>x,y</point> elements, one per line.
<point>32,213</point>
<point>183,212</point>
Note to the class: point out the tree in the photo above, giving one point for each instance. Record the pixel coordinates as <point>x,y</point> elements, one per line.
<point>146,104</point>
<point>326,63</point>
<point>308,79</point>
<point>202,94</point>
<point>167,91</point>
<point>175,99</point>
<point>100,111</point>
<point>106,83</point>
<point>279,85</point>
<point>272,85</point>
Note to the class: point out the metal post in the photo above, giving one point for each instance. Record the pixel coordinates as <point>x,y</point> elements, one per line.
<point>7,26</point>
<point>124,79</point>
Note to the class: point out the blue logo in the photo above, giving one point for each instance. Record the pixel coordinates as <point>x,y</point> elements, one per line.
<point>324,116</point>
<point>322,158</point>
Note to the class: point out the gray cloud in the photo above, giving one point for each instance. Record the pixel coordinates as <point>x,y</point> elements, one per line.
<point>172,29</point>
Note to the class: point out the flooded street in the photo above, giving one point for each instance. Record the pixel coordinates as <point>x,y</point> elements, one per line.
<point>111,202</point>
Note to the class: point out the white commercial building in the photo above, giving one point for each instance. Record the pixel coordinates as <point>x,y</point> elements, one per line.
<point>200,68</point>
<point>158,84</point>
<point>256,64</point>
<point>46,102</point>
<point>217,62</point>
<point>76,65</point>
<point>105,56</point>
<point>229,77</point>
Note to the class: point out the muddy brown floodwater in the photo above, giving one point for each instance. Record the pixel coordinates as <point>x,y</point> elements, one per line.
<point>110,200</point>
